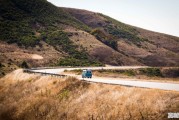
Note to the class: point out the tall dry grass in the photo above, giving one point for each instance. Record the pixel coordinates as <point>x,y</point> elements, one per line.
<point>36,97</point>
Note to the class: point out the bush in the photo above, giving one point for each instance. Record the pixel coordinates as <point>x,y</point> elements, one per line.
<point>119,25</point>
<point>125,72</point>
<point>151,72</point>
<point>170,72</point>
<point>1,65</point>
<point>24,64</point>
<point>60,39</point>
<point>107,40</point>
<point>63,94</point>
<point>70,61</point>
<point>3,73</point>
<point>129,73</point>
<point>124,34</point>
<point>121,30</point>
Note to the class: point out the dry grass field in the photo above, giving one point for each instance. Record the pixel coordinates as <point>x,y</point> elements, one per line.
<point>36,97</point>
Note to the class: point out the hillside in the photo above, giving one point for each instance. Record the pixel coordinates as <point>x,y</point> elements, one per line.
<point>149,48</point>
<point>37,33</point>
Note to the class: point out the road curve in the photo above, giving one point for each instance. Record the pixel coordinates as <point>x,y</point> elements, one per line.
<point>116,81</point>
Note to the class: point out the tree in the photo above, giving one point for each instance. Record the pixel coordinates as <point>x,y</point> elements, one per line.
<point>24,64</point>
<point>0,65</point>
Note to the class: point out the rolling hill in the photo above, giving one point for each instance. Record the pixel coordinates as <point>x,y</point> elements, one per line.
<point>37,33</point>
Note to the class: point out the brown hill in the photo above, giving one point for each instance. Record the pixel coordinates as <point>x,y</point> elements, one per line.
<point>150,48</point>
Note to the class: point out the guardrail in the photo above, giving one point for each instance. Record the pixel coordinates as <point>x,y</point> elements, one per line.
<point>57,67</point>
<point>42,73</point>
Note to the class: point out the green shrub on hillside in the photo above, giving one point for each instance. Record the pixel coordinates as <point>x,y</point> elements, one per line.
<point>1,65</point>
<point>130,72</point>
<point>125,72</point>
<point>120,25</point>
<point>108,40</point>
<point>151,72</point>
<point>24,64</point>
<point>122,30</point>
<point>19,19</point>
<point>124,34</point>
<point>63,94</point>
<point>59,39</point>
<point>16,32</point>
<point>71,61</point>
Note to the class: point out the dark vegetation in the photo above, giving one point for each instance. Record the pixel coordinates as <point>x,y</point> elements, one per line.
<point>1,65</point>
<point>170,72</point>
<point>70,61</point>
<point>120,25</point>
<point>120,33</point>
<point>151,72</point>
<point>1,70</point>
<point>24,64</point>
<point>60,41</point>
<point>125,72</point>
<point>106,39</point>
<point>20,19</point>
<point>121,30</point>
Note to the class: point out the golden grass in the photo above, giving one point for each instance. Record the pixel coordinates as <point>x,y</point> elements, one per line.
<point>35,97</point>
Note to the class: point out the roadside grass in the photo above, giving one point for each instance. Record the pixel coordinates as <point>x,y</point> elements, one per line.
<point>165,74</point>
<point>151,72</point>
<point>143,72</point>
<point>70,98</point>
<point>76,71</point>
<point>130,72</point>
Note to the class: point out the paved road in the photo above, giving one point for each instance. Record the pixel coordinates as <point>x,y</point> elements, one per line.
<point>117,81</point>
<point>58,70</point>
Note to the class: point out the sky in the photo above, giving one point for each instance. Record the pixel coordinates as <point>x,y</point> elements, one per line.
<point>156,15</point>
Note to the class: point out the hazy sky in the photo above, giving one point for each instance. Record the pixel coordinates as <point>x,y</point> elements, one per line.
<point>156,15</point>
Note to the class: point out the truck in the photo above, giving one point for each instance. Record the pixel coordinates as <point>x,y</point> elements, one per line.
<point>87,73</point>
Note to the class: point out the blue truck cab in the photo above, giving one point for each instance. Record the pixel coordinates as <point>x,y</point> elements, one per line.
<point>87,74</point>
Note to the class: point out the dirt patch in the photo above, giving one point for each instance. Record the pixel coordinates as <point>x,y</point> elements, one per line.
<point>36,57</point>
